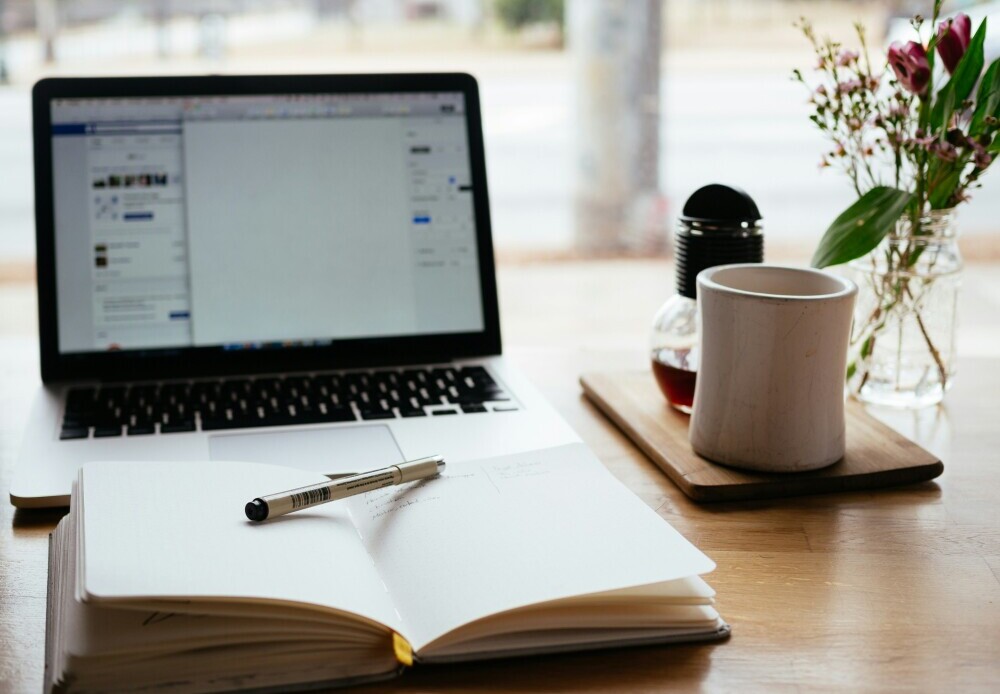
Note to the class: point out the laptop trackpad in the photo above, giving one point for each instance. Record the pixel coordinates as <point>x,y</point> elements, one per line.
<point>330,451</point>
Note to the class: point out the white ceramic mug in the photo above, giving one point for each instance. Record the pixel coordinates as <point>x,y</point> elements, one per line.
<point>770,389</point>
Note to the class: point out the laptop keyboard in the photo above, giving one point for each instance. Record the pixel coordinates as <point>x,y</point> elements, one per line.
<point>237,403</point>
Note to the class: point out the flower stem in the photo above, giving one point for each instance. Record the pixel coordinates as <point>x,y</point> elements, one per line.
<point>930,343</point>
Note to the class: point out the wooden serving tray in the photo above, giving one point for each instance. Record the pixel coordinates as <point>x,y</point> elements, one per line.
<point>877,455</point>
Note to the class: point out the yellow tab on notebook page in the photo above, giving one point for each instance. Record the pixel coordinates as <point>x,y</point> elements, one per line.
<point>404,653</point>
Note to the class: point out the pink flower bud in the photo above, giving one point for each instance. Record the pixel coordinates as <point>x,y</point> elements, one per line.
<point>845,58</point>
<point>849,86</point>
<point>945,151</point>
<point>910,64</point>
<point>953,40</point>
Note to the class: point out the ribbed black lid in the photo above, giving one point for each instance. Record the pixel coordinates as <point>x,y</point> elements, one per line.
<point>720,225</point>
<point>720,204</point>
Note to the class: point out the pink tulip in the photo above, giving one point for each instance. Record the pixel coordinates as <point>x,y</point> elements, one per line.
<point>910,64</point>
<point>953,40</point>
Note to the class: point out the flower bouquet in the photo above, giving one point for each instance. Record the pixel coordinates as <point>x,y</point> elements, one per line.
<point>914,138</point>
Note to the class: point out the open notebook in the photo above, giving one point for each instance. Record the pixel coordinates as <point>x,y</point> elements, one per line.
<point>158,580</point>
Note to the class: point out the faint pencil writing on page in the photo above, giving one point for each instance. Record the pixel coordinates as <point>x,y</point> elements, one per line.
<point>383,502</point>
<point>525,469</point>
<point>401,505</point>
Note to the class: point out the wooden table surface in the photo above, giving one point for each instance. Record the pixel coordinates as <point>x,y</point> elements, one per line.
<point>887,590</point>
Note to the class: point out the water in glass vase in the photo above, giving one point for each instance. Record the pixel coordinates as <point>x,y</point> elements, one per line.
<point>903,339</point>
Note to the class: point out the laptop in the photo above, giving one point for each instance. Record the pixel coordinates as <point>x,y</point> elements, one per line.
<point>294,270</point>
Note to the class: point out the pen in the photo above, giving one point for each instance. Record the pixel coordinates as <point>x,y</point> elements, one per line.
<point>273,505</point>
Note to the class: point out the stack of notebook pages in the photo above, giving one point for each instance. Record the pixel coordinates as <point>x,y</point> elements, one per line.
<point>157,580</point>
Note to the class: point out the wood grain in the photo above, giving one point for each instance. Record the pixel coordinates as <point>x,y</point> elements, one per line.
<point>877,456</point>
<point>889,590</point>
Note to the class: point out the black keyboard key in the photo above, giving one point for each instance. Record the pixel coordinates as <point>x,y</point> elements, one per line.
<point>200,391</point>
<point>470,409</point>
<point>298,385</point>
<point>177,426</point>
<point>304,415</point>
<point>264,417</point>
<point>412,412</point>
<point>215,423</point>
<point>428,398</point>
<point>271,384</point>
<point>109,418</point>
<point>377,414</point>
<point>336,414</point>
<point>471,399</point>
<point>77,420</point>
<point>474,372</point>
<point>68,433</point>
<point>141,429</point>
<point>107,431</point>
<point>415,376</point>
<point>241,385</point>
<point>440,412</point>
<point>80,399</point>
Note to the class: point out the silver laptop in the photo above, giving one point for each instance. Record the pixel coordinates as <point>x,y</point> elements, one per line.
<point>286,269</point>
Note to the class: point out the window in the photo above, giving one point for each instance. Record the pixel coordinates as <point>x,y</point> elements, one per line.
<point>726,110</point>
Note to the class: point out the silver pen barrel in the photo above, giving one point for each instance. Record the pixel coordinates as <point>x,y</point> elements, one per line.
<point>279,504</point>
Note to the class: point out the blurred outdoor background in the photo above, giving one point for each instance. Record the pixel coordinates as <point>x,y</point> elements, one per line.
<point>600,116</point>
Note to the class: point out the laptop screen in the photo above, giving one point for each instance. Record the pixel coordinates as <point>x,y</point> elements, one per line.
<point>263,221</point>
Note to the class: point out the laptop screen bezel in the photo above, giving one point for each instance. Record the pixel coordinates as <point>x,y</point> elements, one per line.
<point>205,361</point>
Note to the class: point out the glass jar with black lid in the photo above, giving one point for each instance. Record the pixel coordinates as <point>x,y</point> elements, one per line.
<point>719,225</point>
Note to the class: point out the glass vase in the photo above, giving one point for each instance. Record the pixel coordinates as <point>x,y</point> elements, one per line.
<point>903,339</point>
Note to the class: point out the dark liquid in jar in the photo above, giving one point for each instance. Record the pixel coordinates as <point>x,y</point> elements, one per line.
<point>677,385</point>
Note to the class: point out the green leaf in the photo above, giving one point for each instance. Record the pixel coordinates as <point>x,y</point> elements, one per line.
<point>987,99</point>
<point>942,192</point>
<point>861,227</point>
<point>944,178</point>
<point>949,108</point>
<point>962,81</point>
